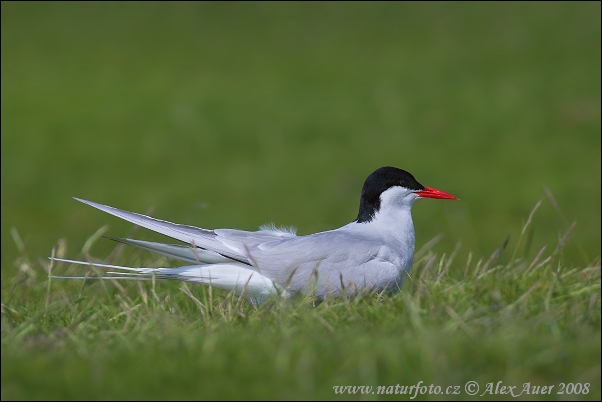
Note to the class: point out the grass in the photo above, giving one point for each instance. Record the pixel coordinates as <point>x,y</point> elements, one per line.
<point>238,114</point>
<point>521,321</point>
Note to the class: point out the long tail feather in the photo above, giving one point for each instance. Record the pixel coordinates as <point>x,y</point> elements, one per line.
<point>94,264</point>
<point>234,277</point>
<point>118,278</point>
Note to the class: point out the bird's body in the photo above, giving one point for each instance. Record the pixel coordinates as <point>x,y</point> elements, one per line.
<point>374,252</point>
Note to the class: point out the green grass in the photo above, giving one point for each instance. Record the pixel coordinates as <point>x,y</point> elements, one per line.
<point>523,321</point>
<point>238,114</point>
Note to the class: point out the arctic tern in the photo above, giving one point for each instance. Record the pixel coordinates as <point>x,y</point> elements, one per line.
<point>374,252</point>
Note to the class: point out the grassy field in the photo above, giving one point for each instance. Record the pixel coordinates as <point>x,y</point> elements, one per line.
<point>238,114</point>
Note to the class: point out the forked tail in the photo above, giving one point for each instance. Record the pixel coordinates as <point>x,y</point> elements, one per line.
<point>232,277</point>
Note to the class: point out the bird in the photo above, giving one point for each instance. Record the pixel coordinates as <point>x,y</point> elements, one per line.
<point>374,252</point>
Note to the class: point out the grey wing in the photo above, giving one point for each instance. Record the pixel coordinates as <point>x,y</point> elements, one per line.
<point>203,238</point>
<point>328,263</point>
<point>216,244</point>
<point>182,252</point>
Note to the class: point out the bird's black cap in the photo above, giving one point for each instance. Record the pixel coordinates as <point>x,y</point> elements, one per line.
<point>381,180</point>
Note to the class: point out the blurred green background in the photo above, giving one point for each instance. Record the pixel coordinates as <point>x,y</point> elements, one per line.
<point>238,114</point>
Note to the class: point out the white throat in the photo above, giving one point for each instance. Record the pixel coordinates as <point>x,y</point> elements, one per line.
<point>395,214</point>
<point>393,220</point>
